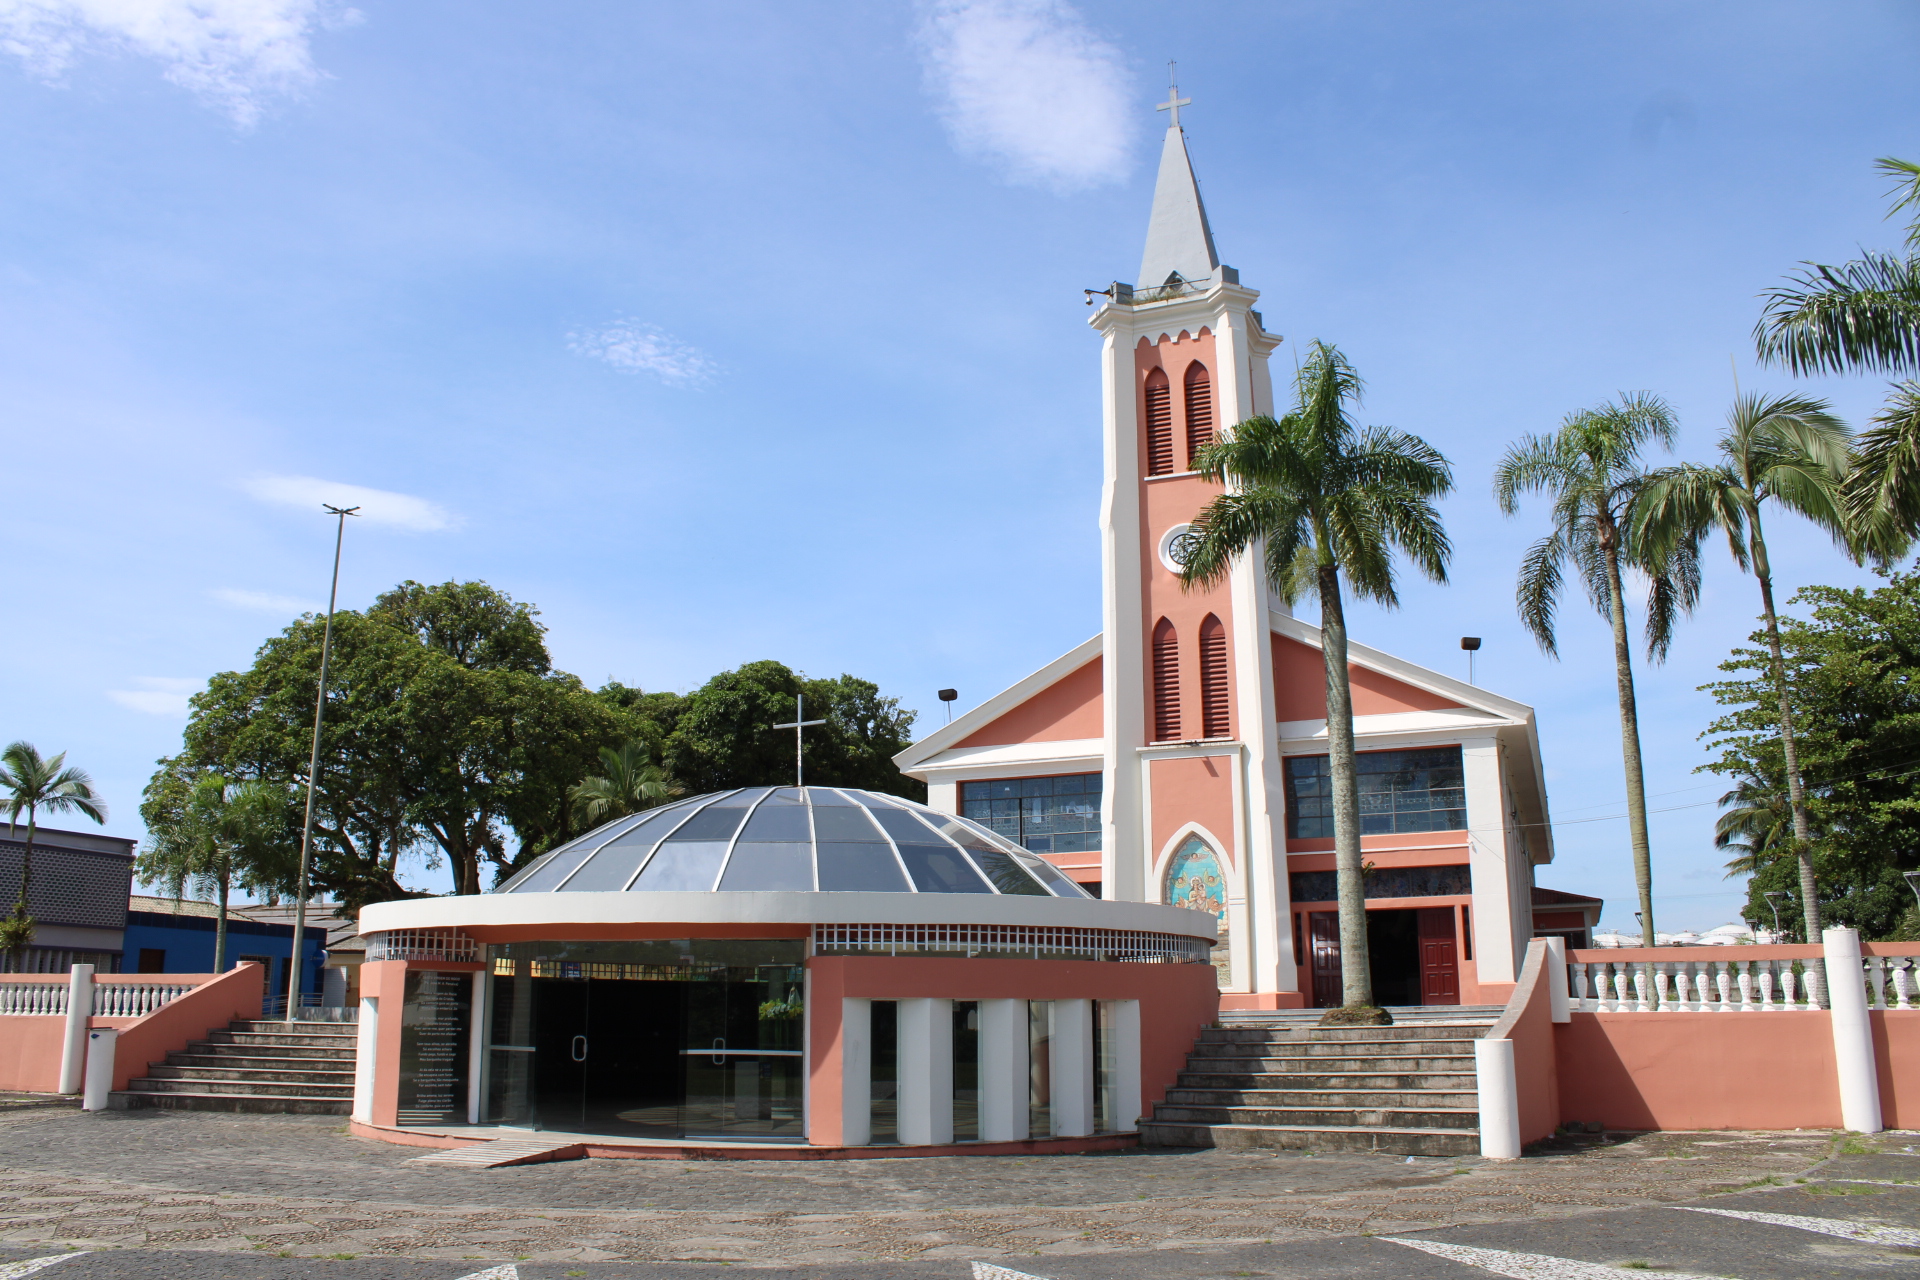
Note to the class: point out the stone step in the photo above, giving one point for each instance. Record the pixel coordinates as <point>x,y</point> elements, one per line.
<point>1353,1099</point>
<point>290,1074</point>
<point>1463,1080</point>
<point>1337,1035</point>
<point>227,1048</point>
<point>269,1088</point>
<point>291,1040</point>
<point>1397,1141</point>
<point>1402,1015</point>
<point>301,1028</point>
<point>259,1062</point>
<point>1321,1117</point>
<point>1330,1062</point>
<point>257,1103</point>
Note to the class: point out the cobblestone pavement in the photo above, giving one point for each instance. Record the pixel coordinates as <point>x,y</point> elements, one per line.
<point>295,1186</point>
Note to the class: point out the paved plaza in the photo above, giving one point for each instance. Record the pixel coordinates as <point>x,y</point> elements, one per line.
<point>154,1193</point>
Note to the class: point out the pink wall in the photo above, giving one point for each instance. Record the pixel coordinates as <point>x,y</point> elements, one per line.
<point>232,995</point>
<point>1176,1001</point>
<point>1068,708</point>
<point>1192,789</point>
<point>1704,1070</point>
<point>31,1045</point>
<point>1300,687</point>
<point>1528,1023</point>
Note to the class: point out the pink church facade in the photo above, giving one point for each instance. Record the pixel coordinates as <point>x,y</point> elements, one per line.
<point>1178,757</point>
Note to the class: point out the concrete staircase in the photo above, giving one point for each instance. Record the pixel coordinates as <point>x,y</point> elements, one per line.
<point>257,1067</point>
<point>1279,1080</point>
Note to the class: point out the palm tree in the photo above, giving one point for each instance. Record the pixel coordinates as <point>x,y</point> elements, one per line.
<point>1789,450</point>
<point>1316,496</point>
<point>1756,825</point>
<point>1591,468</point>
<point>33,783</point>
<point>225,834</point>
<point>631,783</point>
<point>1864,317</point>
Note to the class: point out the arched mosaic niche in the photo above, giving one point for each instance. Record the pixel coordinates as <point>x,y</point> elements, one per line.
<point>1195,881</point>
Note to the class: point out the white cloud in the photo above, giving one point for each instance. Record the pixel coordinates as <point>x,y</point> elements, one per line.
<point>1028,84</point>
<point>158,696</point>
<point>633,347</point>
<point>234,54</point>
<point>377,506</point>
<point>263,601</point>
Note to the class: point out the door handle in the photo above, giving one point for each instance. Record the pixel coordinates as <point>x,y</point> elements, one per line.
<point>579,1048</point>
<point>719,1051</point>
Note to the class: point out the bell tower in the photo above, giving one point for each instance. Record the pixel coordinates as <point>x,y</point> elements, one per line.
<point>1194,795</point>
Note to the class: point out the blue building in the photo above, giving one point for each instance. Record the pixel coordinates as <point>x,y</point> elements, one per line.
<point>168,935</point>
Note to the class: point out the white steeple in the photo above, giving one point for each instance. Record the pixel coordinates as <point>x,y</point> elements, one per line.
<point>1178,237</point>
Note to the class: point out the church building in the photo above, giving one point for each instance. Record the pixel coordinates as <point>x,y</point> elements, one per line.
<point>1180,756</point>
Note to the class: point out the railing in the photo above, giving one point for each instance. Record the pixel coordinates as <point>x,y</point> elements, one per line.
<point>111,999</point>
<point>1760,979</point>
<point>422,944</point>
<point>1036,942</point>
<point>312,1008</point>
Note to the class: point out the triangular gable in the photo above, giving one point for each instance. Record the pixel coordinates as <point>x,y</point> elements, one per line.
<point>1300,687</point>
<point>1066,709</point>
<point>1421,688</point>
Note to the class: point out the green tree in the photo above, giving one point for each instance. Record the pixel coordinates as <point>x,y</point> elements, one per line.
<point>629,782</point>
<point>1755,825</point>
<point>32,783</point>
<point>1591,469</point>
<point>217,835</point>
<point>1316,496</point>
<point>1854,668</point>
<point>1789,451</point>
<point>723,735</point>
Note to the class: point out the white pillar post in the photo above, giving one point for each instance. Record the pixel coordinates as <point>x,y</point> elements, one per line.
<point>73,1049</point>
<point>1125,1038</point>
<point>366,1050</point>
<point>856,1072</point>
<point>1003,1070</point>
<point>1555,976</point>
<point>1499,1099</point>
<point>1853,1056</point>
<point>926,1072</point>
<point>1071,1065</point>
<point>101,1045</point>
<point>479,1017</point>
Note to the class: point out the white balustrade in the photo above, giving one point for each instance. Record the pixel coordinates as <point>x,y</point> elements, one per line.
<point>32,998</point>
<point>1716,984</point>
<point>1903,982</point>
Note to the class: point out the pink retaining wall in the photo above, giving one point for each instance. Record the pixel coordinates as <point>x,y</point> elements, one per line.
<point>30,1052</point>
<point>30,1045</point>
<point>234,995</point>
<point>1528,1022</point>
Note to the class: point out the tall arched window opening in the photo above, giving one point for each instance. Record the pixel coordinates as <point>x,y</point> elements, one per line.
<point>1199,410</point>
<point>1166,683</point>
<point>1159,424</point>
<point>1215,722</point>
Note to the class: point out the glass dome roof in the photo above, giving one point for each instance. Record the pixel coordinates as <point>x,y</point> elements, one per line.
<point>794,839</point>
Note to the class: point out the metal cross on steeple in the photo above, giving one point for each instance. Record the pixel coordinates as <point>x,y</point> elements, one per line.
<point>799,724</point>
<point>1174,101</point>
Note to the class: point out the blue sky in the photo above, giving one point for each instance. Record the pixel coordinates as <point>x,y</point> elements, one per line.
<point>739,330</point>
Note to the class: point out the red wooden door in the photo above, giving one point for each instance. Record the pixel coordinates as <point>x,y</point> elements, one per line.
<point>1323,935</point>
<point>1439,957</point>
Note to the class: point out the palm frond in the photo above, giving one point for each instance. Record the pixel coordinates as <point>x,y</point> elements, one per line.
<point>1861,315</point>
<point>1539,591</point>
<point>1905,193</point>
<point>1680,504</point>
<point>1882,496</point>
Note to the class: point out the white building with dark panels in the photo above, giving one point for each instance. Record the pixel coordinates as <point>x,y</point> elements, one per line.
<point>77,897</point>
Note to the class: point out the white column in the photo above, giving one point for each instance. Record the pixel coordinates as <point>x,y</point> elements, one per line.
<point>926,1072</point>
<point>101,1046</point>
<point>1853,1056</point>
<point>1496,946</point>
<point>1071,1054</point>
<point>1003,1070</point>
<point>365,1052</point>
<point>856,1072</point>
<point>1499,1099</point>
<point>480,1016</point>
<point>1124,1036</point>
<point>73,1049</point>
<point>1555,975</point>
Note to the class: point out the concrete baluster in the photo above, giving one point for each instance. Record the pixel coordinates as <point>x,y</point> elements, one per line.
<point>1877,981</point>
<point>1766,986</point>
<point>1789,980</point>
<point>1577,980</point>
<point>1662,976</point>
<point>1723,983</point>
<point>1743,972</point>
<point>1903,983</point>
<point>1622,1003</point>
<point>1642,989</point>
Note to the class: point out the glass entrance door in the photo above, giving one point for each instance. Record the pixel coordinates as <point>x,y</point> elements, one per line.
<point>669,1039</point>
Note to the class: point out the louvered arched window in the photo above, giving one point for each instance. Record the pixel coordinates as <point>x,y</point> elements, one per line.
<point>1166,683</point>
<point>1214,719</point>
<point>1159,424</point>
<point>1199,410</point>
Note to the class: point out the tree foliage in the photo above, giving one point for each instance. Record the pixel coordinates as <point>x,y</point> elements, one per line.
<point>1854,668</point>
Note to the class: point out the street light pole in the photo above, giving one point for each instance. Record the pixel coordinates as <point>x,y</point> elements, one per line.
<point>313,766</point>
<point>1772,896</point>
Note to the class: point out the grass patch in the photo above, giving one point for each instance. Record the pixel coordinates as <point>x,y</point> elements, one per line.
<point>1854,1144</point>
<point>343,1257</point>
<point>1636,1266</point>
<point>1833,1189</point>
<point>1748,1186</point>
